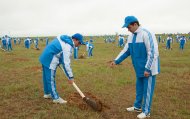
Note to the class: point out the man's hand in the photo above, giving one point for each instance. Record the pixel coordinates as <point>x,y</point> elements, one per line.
<point>112,64</point>
<point>71,81</point>
<point>146,74</point>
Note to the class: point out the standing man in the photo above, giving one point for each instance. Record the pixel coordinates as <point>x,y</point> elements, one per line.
<point>143,48</point>
<point>90,49</point>
<point>27,43</point>
<point>159,38</point>
<point>15,41</point>
<point>47,41</point>
<point>58,52</point>
<point>9,43</point>
<point>36,43</point>
<point>121,41</point>
<point>4,43</point>
<point>182,42</point>
<point>168,42</point>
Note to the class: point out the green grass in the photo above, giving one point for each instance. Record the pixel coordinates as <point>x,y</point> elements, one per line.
<point>21,89</point>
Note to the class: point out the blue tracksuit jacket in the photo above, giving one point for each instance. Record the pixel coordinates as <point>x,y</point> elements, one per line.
<point>58,52</point>
<point>144,52</point>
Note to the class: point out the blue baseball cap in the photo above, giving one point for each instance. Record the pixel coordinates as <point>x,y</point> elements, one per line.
<point>78,37</point>
<point>129,20</point>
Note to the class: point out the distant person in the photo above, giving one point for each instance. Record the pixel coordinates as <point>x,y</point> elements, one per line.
<point>121,41</point>
<point>47,41</point>
<point>91,39</point>
<point>86,43</point>
<point>56,53</point>
<point>19,41</point>
<point>36,43</point>
<point>4,43</point>
<point>15,41</point>
<point>90,49</point>
<point>159,38</point>
<point>143,48</point>
<point>9,43</point>
<point>168,42</point>
<point>27,43</point>
<point>182,42</point>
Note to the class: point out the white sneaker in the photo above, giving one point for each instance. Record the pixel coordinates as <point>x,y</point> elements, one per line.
<point>47,96</point>
<point>60,101</point>
<point>143,115</point>
<point>133,109</point>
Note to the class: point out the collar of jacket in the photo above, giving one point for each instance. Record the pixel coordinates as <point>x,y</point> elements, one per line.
<point>138,30</point>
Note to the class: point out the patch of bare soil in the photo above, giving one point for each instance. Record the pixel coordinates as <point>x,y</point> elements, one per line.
<point>82,56</point>
<point>76,99</point>
<point>35,68</point>
<point>21,59</point>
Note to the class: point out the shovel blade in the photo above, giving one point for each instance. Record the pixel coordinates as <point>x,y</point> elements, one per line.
<point>93,104</point>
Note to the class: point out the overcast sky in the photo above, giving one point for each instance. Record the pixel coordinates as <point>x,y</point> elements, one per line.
<point>91,17</point>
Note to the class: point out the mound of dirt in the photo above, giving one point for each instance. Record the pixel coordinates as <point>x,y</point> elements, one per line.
<point>76,99</point>
<point>82,56</point>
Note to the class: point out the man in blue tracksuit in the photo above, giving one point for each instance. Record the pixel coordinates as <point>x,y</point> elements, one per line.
<point>27,43</point>
<point>121,41</point>
<point>168,42</point>
<point>47,41</point>
<point>159,38</point>
<point>58,52</point>
<point>9,43</point>
<point>36,43</point>
<point>4,43</point>
<point>90,49</point>
<point>143,48</point>
<point>15,41</point>
<point>182,42</point>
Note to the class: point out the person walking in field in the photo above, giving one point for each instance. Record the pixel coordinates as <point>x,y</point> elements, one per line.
<point>36,43</point>
<point>9,43</point>
<point>182,42</point>
<point>19,41</point>
<point>90,49</point>
<point>27,43</point>
<point>15,41</point>
<point>142,46</point>
<point>4,43</point>
<point>59,51</point>
<point>168,42</point>
<point>47,41</point>
<point>121,41</point>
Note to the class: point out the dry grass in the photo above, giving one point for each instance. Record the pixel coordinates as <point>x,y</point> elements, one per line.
<point>21,85</point>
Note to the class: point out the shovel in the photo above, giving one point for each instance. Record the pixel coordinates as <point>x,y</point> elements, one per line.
<point>91,103</point>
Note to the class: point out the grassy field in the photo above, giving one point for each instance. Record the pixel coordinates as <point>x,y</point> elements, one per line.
<point>21,90</point>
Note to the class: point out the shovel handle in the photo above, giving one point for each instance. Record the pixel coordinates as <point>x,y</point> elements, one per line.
<point>74,85</point>
<point>78,90</point>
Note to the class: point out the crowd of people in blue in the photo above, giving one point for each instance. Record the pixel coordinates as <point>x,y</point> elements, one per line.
<point>168,39</point>
<point>6,42</point>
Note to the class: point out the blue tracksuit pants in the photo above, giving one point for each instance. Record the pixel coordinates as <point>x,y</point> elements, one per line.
<point>144,92</point>
<point>181,46</point>
<point>90,52</point>
<point>49,82</point>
